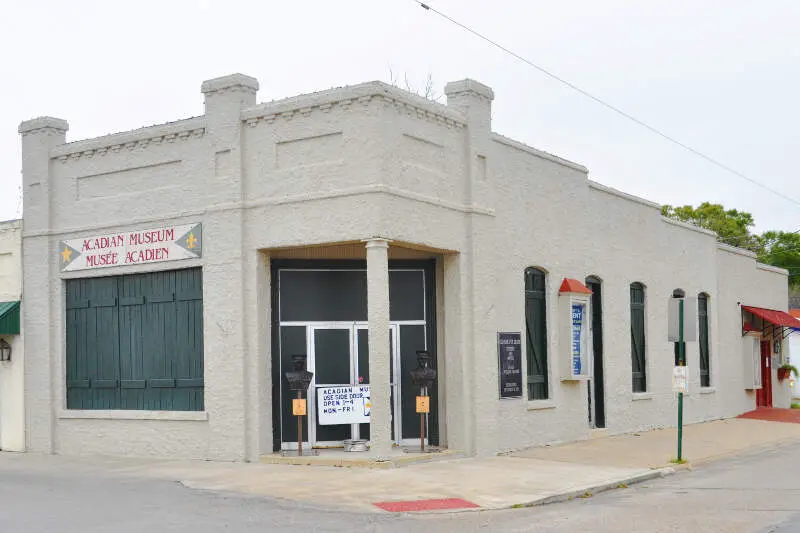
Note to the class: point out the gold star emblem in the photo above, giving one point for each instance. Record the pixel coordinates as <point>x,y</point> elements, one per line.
<point>66,255</point>
<point>191,241</point>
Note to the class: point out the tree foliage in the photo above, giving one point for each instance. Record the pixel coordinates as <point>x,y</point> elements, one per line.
<point>731,226</point>
<point>782,249</point>
<point>734,227</point>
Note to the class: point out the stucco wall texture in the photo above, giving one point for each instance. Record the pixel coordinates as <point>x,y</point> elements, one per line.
<point>12,379</point>
<point>345,166</point>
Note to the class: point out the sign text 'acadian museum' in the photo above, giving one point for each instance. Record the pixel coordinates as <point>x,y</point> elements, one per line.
<point>124,248</point>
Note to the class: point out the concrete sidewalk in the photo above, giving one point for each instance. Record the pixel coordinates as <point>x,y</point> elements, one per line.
<point>528,477</point>
<point>654,449</point>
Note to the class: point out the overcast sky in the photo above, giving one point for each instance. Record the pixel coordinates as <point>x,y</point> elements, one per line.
<point>720,75</point>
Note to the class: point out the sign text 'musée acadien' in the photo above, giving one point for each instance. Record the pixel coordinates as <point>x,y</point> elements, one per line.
<point>170,243</point>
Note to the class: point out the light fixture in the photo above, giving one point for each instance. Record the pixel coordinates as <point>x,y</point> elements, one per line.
<point>5,350</point>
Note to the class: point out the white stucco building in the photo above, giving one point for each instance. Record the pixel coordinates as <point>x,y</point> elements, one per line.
<point>12,379</point>
<point>171,273</point>
<point>794,354</point>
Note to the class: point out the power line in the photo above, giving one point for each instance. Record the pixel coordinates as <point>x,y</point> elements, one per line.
<point>607,105</point>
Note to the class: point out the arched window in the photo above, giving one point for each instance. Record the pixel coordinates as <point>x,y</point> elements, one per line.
<point>702,319</point>
<point>638,341</point>
<point>679,293</point>
<point>536,333</point>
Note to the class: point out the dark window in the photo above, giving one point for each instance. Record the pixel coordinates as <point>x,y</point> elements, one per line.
<point>312,295</point>
<point>638,343</point>
<point>536,329</point>
<point>702,317</point>
<point>136,342</point>
<point>679,293</point>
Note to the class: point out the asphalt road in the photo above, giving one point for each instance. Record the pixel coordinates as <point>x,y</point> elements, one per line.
<point>756,493</point>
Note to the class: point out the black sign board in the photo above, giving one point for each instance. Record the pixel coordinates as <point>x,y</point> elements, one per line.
<point>509,350</point>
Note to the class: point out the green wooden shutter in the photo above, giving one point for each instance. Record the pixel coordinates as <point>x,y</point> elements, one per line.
<point>188,363</point>
<point>136,342</point>
<point>702,316</point>
<point>638,343</point>
<point>92,344</point>
<point>536,330</point>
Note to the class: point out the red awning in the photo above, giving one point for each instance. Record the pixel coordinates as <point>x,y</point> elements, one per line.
<point>773,316</point>
<point>573,285</point>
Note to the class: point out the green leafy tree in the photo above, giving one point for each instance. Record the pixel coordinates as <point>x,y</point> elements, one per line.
<point>782,249</point>
<point>731,225</point>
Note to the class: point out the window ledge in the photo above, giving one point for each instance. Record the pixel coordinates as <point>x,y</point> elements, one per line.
<point>538,405</point>
<point>636,396</point>
<point>132,415</point>
<point>707,390</point>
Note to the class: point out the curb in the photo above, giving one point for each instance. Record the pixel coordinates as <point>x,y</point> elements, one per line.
<point>655,473</point>
<point>594,489</point>
<point>567,495</point>
<point>739,453</point>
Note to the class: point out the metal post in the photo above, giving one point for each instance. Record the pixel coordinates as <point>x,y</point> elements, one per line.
<point>422,392</point>
<point>299,428</point>
<point>681,362</point>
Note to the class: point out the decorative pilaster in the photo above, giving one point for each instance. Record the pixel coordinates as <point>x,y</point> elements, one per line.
<point>42,295</point>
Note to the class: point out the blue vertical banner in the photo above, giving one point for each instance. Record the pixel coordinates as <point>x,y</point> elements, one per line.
<point>577,345</point>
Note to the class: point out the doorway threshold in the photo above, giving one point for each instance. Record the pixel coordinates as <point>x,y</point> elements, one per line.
<point>337,457</point>
<point>598,433</point>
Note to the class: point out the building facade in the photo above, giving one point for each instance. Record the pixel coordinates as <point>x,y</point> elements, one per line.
<point>12,361</point>
<point>174,272</point>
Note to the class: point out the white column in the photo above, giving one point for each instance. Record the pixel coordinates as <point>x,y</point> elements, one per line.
<point>378,316</point>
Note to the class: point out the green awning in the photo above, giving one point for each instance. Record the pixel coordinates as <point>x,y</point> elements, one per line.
<point>9,318</point>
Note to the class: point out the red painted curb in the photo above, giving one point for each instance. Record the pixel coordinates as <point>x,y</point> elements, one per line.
<point>425,505</point>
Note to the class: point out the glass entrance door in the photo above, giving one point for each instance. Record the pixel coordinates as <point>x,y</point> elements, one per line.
<point>332,364</point>
<point>339,356</point>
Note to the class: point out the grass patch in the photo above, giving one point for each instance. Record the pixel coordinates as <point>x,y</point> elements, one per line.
<point>678,461</point>
<point>795,405</point>
<point>622,486</point>
<point>586,494</point>
<point>517,506</point>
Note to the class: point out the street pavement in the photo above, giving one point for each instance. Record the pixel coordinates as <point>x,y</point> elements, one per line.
<point>753,493</point>
<point>528,477</point>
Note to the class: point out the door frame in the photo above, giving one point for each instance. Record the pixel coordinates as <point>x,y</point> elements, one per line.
<point>311,363</point>
<point>593,334</point>
<point>764,394</point>
<point>427,266</point>
<point>396,389</point>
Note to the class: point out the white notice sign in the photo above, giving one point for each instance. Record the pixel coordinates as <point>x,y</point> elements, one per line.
<point>680,379</point>
<point>124,248</point>
<point>344,404</point>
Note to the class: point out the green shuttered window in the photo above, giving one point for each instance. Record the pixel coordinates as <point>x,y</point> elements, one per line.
<point>702,317</point>
<point>638,342</point>
<point>536,333</point>
<point>136,342</point>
